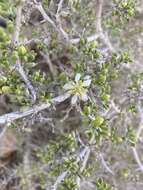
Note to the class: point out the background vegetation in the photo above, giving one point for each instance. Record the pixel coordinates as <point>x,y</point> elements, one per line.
<point>71,111</point>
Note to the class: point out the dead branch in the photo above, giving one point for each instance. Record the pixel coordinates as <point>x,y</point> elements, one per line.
<point>10,117</point>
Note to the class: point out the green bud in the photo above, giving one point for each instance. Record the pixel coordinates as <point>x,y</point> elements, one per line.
<point>22,51</point>
<point>3,79</point>
<point>94,44</point>
<point>1,31</point>
<point>15,55</point>
<point>98,121</point>
<point>119,139</point>
<point>6,89</point>
<point>102,78</point>
<point>105,97</point>
<point>10,27</point>
<point>3,35</point>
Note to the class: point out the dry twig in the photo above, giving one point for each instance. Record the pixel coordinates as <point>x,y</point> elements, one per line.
<point>10,117</point>
<point>105,164</point>
<point>134,149</point>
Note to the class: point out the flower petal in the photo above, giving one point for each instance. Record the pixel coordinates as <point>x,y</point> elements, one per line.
<point>77,77</point>
<point>68,85</point>
<point>84,97</point>
<point>87,82</point>
<point>74,99</point>
<point>87,77</point>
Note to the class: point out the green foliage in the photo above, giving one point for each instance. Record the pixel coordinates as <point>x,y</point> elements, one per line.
<point>131,136</point>
<point>7,8</point>
<point>122,12</point>
<point>124,9</point>
<point>102,185</point>
<point>87,77</point>
<point>69,183</point>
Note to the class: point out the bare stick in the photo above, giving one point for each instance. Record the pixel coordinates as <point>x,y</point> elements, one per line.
<point>86,158</point>
<point>105,164</point>
<point>26,80</point>
<point>39,7</point>
<point>59,6</point>
<point>135,152</point>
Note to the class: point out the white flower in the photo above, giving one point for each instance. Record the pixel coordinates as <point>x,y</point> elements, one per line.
<point>78,88</point>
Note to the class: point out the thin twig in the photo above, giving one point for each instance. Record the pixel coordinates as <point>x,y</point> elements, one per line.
<point>134,149</point>
<point>86,158</point>
<point>67,114</point>
<point>79,139</point>
<point>58,20</point>
<point>26,80</point>
<point>136,156</point>
<point>39,7</point>
<point>60,4</point>
<point>49,63</point>
<point>105,164</point>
